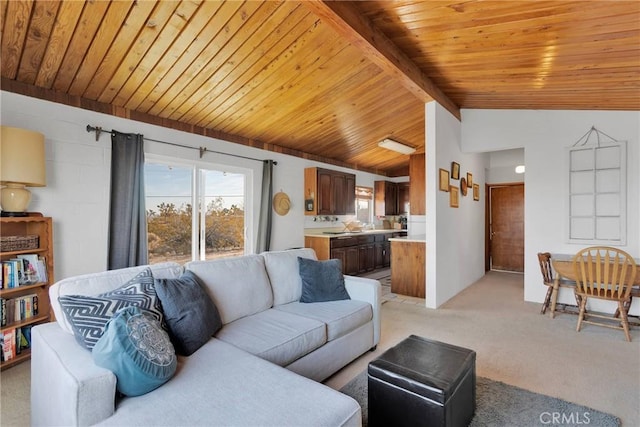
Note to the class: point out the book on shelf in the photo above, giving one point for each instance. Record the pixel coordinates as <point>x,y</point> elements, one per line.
<point>14,341</point>
<point>9,344</point>
<point>25,341</point>
<point>17,309</point>
<point>35,267</point>
<point>25,307</point>
<point>9,274</point>
<point>41,268</point>
<point>19,267</point>
<point>18,341</point>
<point>25,269</point>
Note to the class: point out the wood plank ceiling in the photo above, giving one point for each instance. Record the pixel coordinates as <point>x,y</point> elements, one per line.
<point>322,80</point>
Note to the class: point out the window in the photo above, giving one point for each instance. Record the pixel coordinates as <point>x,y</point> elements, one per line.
<point>223,221</point>
<point>597,194</point>
<point>168,199</point>
<point>364,204</point>
<point>176,231</point>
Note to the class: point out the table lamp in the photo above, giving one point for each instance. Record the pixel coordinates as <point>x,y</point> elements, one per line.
<point>22,164</point>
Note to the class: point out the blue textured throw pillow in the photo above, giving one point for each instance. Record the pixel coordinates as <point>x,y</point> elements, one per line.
<point>190,314</point>
<point>137,350</point>
<point>321,280</point>
<point>88,315</point>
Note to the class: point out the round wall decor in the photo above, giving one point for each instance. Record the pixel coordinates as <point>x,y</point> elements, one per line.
<point>281,203</point>
<point>463,186</point>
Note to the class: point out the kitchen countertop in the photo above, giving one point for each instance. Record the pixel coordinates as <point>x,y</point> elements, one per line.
<point>417,238</point>
<point>330,233</point>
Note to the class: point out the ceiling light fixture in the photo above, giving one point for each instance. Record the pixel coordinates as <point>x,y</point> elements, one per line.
<point>520,169</point>
<point>392,145</point>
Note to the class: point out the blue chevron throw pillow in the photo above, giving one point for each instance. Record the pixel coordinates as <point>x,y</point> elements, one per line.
<point>89,315</point>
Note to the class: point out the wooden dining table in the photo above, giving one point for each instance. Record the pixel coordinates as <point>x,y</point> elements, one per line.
<point>563,266</point>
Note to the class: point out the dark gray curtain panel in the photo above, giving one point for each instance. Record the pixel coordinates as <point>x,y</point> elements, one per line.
<point>264,223</point>
<point>127,218</point>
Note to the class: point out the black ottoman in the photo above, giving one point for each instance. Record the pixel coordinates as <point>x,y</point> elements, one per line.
<point>422,382</point>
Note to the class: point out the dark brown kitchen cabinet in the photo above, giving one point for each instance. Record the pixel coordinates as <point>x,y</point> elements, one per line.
<point>346,250</point>
<point>349,259</point>
<point>324,192</point>
<point>350,196</point>
<point>366,256</point>
<point>382,251</point>
<point>403,198</point>
<point>329,192</point>
<point>341,254</point>
<point>352,263</point>
<point>391,198</point>
<point>358,254</point>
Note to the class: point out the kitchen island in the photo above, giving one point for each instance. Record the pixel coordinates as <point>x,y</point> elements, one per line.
<point>408,265</point>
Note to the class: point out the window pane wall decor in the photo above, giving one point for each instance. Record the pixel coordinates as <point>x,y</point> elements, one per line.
<point>597,194</point>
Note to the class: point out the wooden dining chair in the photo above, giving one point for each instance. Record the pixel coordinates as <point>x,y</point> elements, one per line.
<point>544,259</point>
<point>604,273</point>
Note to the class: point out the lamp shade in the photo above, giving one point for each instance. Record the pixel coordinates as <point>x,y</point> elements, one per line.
<point>22,157</point>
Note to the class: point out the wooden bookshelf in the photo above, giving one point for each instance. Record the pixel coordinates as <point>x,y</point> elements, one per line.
<point>41,226</point>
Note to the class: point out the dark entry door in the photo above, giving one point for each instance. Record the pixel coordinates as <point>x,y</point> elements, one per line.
<point>507,227</point>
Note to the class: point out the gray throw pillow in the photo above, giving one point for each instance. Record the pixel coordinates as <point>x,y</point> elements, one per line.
<point>321,280</point>
<point>89,315</point>
<point>190,314</point>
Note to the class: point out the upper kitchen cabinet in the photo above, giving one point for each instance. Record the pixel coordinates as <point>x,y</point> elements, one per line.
<point>417,195</point>
<point>404,197</point>
<point>329,192</point>
<point>391,198</point>
<point>385,198</point>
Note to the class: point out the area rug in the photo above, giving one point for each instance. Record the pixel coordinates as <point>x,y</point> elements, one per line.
<point>500,404</point>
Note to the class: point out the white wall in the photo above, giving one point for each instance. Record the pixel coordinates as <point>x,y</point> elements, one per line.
<point>544,135</point>
<point>78,170</point>
<point>502,166</point>
<point>455,236</point>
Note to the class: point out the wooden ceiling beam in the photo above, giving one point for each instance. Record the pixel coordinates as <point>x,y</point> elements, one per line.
<point>362,33</point>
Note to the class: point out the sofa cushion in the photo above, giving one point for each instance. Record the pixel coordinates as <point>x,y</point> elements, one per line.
<point>191,316</point>
<point>322,280</point>
<point>137,350</point>
<point>238,286</point>
<point>88,315</point>
<point>275,335</point>
<point>341,317</point>
<point>284,274</point>
<point>225,386</point>
<point>97,283</point>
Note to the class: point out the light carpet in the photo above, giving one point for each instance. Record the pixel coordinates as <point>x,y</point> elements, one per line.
<point>500,404</point>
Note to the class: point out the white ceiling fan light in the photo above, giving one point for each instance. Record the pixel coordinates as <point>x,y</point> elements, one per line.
<point>392,145</point>
<point>520,169</point>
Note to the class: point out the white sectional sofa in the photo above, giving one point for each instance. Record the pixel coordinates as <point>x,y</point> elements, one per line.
<point>262,368</point>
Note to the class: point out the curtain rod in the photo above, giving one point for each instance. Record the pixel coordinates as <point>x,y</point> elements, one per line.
<point>98,130</point>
